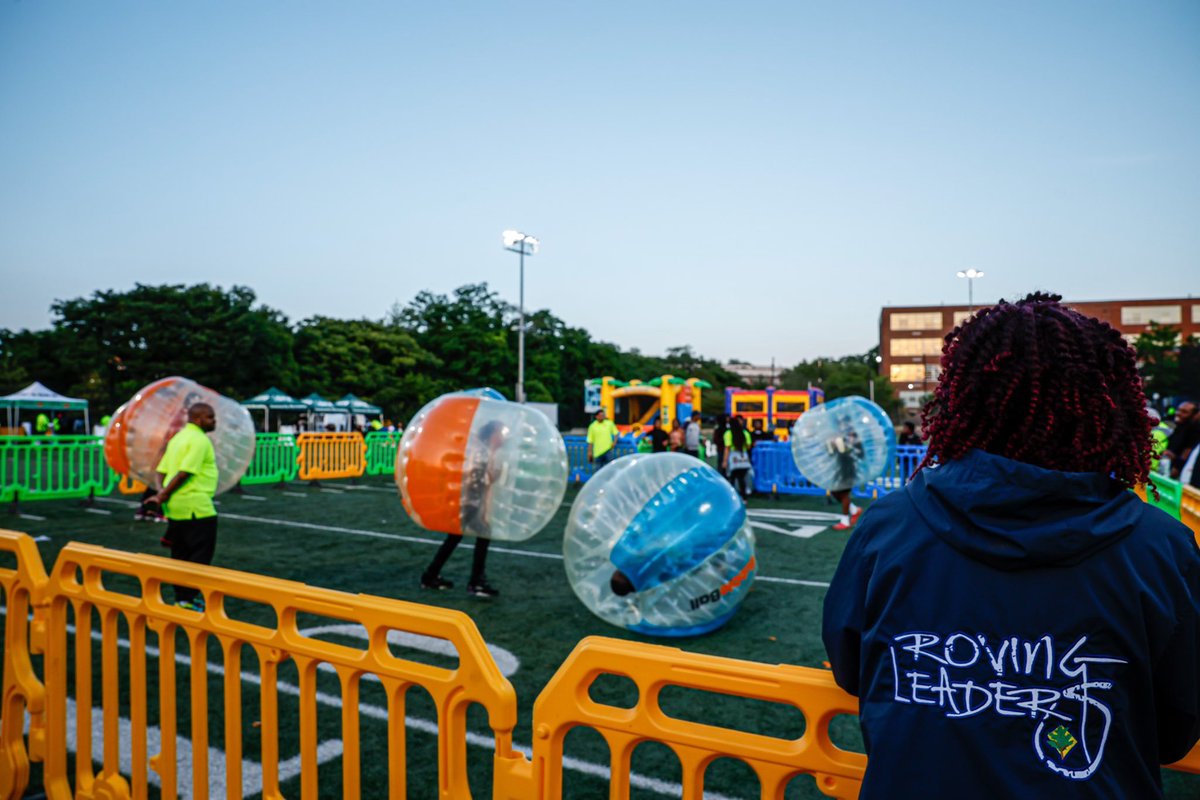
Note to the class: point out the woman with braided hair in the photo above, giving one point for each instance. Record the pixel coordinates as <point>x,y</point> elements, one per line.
<point>1015,622</point>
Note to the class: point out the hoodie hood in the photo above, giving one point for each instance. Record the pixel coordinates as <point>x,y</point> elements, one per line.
<point>1011,515</point>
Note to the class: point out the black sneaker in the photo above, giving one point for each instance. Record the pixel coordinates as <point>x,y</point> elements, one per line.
<point>481,589</point>
<point>436,582</point>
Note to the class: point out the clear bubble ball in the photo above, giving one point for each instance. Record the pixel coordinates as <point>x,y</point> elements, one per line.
<point>843,443</point>
<point>475,464</point>
<point>659,543</point>
<point>140,429</point>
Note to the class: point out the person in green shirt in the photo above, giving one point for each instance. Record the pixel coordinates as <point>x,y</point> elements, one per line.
<point>189,483</point>
<point>601,440</point>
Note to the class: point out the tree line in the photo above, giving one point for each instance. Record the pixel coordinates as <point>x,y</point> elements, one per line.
<point>105,347</point>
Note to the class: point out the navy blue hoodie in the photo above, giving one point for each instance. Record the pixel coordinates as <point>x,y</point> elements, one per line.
<point>1012,631</point>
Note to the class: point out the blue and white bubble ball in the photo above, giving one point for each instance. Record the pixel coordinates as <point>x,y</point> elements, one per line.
<point>844,443</point>
<point>659,544</point>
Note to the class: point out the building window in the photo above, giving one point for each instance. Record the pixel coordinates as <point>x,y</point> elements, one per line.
<point>962,316</point>
<point>924,321</point>
<point>911,399</point>
<point>1144,315</point>
<point>933,372</point>
<point>1196,314</point>
<point>904,373</point>
<point>915,347</point>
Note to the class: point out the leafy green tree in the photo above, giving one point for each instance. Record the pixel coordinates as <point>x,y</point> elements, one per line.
<point>113,343</point>
<point>1158,358</point>
<point>19,351</point>
<point>841,377</point>
<point>467,333</point>
<point>378,361</point>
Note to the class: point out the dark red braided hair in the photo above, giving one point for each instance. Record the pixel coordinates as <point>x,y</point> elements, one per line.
<point>1037,382</point>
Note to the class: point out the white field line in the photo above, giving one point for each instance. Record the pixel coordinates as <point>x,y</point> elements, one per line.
<point>791,581</point>
<point>421,540</point>
<point>803,532</point>
<point>293,494</point>
<point>104,511</point>
<point>252,497</point>
<point>799,515</point>
<point>252,772</point>
<point>377,534</point>
<point>34,517</point>
<point>368,489</point>
<point>327,749</point>
<point>332,491</point>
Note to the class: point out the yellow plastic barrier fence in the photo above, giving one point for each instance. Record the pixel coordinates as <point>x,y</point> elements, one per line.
<point>76,589</point>
<point>24,587</point>
<point>1189,510</point>
<point>130,485</point>
<point>77,584</point>
<point>331,455</point>
<point>565,703</point>
<point>1189,513</point>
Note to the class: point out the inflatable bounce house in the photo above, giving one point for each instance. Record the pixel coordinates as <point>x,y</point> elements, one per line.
<point>633,406</point>
<point>771,409</point>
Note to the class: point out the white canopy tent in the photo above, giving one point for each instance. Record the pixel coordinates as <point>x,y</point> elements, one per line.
<point>37,397</point>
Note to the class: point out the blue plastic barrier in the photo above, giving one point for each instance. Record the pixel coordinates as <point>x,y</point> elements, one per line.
<point>775,471</point>
<point>580,469</point>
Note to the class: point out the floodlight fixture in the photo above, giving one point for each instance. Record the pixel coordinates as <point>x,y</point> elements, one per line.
<point>970,274</point>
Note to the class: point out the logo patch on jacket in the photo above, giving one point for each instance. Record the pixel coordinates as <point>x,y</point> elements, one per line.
<point>1061,740</point>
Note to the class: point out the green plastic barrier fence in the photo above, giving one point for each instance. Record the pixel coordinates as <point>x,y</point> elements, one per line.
<point>381,452</point>
<point>53,468</point>
<point>1170,495</point>
<point>274,460</point>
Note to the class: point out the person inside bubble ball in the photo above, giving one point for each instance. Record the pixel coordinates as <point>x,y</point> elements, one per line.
<point>847,448</point>
<point>478,478</point>
<point>1015,622</point>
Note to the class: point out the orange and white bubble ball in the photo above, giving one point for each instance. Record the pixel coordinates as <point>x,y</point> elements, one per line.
<point>474,464</point>
<point>140,429</point>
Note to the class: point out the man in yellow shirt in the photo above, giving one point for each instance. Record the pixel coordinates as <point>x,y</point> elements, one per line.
<point>189,470</point>
<point>601,440</point>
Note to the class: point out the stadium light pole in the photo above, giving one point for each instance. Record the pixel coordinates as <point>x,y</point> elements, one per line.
<point>523,244</point>
<point>970,275</point>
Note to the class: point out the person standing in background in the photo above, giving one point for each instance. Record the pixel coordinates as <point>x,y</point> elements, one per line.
<point>677,437</point>
<point>189,470</point>
<point>601,440</point>
<point>691,436</point>
<point>719,433</point>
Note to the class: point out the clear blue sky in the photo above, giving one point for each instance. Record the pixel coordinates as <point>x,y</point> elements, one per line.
<point>752,179</point>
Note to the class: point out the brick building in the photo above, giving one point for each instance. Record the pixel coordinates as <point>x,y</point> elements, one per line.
<point>910,337</point>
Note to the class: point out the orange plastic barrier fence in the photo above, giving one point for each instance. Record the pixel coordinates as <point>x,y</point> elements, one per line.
<point>129,485</point>
<point>78,585</point>
<point>24,586</point>
<point>566,703</point>
<point>1189,510</point>
<point>77,589</point>
<point>331,455</point>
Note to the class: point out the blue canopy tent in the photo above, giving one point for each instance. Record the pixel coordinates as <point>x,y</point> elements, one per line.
<point>273,400</point>
<point>38,398</point>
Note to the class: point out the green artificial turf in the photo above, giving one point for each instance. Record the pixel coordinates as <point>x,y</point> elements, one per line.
<point>537,618</point>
